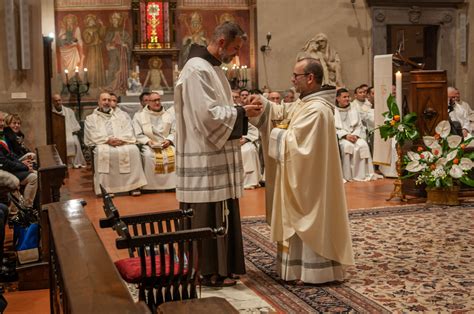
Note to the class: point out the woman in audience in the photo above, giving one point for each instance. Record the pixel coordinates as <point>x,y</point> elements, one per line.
<point>15,138</point>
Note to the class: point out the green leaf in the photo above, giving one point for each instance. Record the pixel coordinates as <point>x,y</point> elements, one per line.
<point>466,180</point>
<point>409,118</point>
<point>392,106</point>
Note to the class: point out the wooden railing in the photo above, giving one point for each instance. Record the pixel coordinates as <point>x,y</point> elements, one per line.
<point>83,278</point>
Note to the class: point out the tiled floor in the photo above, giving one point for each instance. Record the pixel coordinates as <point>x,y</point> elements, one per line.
<point>79,185</point>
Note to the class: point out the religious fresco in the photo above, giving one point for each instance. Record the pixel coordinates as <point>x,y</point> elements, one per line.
<point>100,41</point>
<point>196,26</point>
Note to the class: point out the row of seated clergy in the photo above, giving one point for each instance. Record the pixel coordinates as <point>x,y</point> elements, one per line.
<point>117,160</point>
<point>366,111</point>
<point>354,149</point>
<point>73,146</point>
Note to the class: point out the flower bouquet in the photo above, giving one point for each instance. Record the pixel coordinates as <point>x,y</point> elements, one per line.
<point>443,163</point>
<point>393,127</point>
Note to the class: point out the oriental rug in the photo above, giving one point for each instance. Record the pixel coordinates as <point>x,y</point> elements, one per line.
<point>411,258</point>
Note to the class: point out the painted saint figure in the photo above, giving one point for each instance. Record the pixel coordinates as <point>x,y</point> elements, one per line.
<point>70,44</point>
<point>93,36</point>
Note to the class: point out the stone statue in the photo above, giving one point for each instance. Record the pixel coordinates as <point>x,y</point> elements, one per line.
<point>134,85</point>
<point>318,48</point>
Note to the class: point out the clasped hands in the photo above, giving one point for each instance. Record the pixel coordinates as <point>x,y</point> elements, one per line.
<point>253,106</point>
<point>113,141</point>
<point>352,138</point>
<point>163,144</point>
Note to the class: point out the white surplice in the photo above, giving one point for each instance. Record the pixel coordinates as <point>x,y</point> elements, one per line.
<point>117,168</point>
<point>356,160</point>
<point>73,146</point>
<point>250,158</point>
<point>157,127</point>
<point>309,214</point>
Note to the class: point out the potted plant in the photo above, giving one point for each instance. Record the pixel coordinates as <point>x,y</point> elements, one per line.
<point>442,164</point>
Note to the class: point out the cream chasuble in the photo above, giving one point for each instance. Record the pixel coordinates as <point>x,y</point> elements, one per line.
<point>308,199</point>
<point>158,164</point>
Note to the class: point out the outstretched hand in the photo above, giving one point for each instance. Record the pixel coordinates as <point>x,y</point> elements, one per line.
<point>253,106</point>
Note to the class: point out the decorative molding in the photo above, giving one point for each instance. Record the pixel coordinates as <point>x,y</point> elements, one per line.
<point>447,18</point>
<point>213,4</point>
<point>61,5</point>
<point>414,15</point>
<point>420,3</point>
<point>379,17</point>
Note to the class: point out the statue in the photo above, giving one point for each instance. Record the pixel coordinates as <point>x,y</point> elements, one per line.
<point>319,48</point>
<point>134,85</point>
<point>155,75</point>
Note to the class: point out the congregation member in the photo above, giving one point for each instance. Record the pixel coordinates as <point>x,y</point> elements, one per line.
<point>15,137</point>
<point>355,153</point>
<point>289,96</point>
<point>155,130</point>
<point>23,169</point>
<point>244,93</point>
<point>236,97</point>
<point>309,216</point>
<point>467,108</point>
<point>364,107</point>
<point>274,97</point>
<point>144,97</point>
<point>75,157</point>
<point>457,112</point>
<point>117,161</point>
<point>209,163</point>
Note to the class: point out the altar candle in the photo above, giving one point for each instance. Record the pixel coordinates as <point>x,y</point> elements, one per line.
<point>398,89</point>
<point>66,73</point>
<point>85,75</point>
<point>76,71</point>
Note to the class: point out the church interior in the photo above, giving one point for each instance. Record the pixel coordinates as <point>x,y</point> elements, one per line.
<point>403,67</point>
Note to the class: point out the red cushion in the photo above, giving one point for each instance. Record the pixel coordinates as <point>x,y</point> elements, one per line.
<point>131,271</point>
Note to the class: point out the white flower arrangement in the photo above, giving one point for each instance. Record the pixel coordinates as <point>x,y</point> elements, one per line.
<point>443,162</point>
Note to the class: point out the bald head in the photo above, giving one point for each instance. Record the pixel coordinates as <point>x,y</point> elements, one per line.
<point>275,97</point>
<point>57,102</point>
<point>104,102</point>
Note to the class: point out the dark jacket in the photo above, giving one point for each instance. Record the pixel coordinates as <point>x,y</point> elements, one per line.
<point>15,142</point>
<point>9,162</point>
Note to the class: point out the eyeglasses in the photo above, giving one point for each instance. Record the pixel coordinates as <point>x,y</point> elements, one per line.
<point>295,76</point>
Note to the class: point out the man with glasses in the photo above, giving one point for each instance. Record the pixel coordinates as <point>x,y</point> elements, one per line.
<point>309,215</point>
<point>155,129</point>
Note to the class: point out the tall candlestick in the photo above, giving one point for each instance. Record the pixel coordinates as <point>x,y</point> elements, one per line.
<point>85,75</point>
<point>66,73</point>
<point>398,89</point>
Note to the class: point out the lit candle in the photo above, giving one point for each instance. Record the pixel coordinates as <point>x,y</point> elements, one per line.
<point>398,89</point>
<point>76,71</point>
<point>66,73</point>
<point>137,68</point>
<point>245,72</point>
<point>85,75</point>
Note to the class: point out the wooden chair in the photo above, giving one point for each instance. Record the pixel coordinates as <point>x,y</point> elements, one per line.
<point>163,260</point>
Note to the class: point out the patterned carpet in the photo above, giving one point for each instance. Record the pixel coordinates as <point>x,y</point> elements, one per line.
<point>408,259</point>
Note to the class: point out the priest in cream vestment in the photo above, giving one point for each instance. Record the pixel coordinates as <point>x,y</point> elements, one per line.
<point>155,130</point>
<point>208,159</point>
<point>309,217</point>
<point>355,153</point>
<point>73,146</point>
<point>117,161</point>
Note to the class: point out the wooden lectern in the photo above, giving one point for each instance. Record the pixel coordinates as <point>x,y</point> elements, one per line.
<point>58,130</point>
<point>428,99</point>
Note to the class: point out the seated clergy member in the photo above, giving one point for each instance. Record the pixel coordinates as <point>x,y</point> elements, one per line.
<point>364,107</point>
<point>117,161</point>
<point>74,151</point>
<point>356,160</point>
<point>155,129</point>
<point>457,113</point>
<point>274,97</point>
<point>467,108</point>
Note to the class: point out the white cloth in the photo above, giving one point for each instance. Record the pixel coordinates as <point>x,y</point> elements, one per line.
<point>156,127</point>
<point>250,158</point>
<point>209,166</point>
<point>308,199</point>
<point>73,145</point>
<point>366,113</point>
<point>461,115</point>
<point>356,160</point>
<point>117,168</point>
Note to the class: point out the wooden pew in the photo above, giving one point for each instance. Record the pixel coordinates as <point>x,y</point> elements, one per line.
<point>58,131</point>
<point>83,278</point>
<point>51,174</point>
